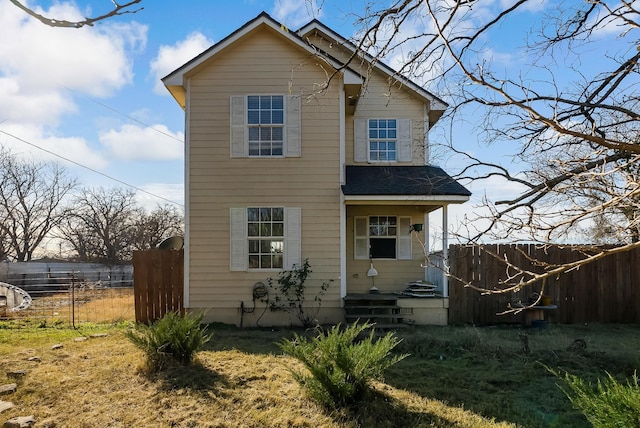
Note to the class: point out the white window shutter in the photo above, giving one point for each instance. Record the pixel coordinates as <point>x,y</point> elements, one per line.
<point>238,127</point>
<point>404,140</point>
<point>238,245</point>
<point>361,242</point>
<point>360,140</point>
<point>404,238</point>
<point>293,237</point>
<point>292,117</point>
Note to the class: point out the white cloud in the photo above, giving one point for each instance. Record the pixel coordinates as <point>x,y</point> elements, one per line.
<point>168,191</point>
<point>171,57</point>
<point>93,60</point>
<point>294,13</point>
<point>21,139</point>
<point>154,142</point>
<point>21,105</point>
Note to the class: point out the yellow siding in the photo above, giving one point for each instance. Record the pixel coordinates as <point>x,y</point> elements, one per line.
<point>260,63</point>
<point>379,100</point>
<point>392,274</point>
<point>383,102</point>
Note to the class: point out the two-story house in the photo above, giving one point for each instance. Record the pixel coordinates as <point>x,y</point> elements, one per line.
<point>292,155</point>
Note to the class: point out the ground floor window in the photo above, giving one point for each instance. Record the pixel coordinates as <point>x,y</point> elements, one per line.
<point>382,237</point>
<point>266,238</point>
<point>265,232</point>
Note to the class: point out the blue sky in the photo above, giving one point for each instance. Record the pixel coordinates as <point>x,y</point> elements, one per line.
<point>93,95</point>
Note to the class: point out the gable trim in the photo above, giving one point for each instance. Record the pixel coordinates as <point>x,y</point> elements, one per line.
<point>435,102</point>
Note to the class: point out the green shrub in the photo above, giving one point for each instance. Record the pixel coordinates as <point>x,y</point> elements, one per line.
<point>290,294</point>
<point>609,404</point>
<point>341,365</point>
<point>173,338</point>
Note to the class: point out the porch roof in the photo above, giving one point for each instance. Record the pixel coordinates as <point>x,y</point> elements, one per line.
<point>412,180</point>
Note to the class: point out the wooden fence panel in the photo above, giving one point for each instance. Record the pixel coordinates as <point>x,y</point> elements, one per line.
<point>604,291</point>
<point>158,283</point>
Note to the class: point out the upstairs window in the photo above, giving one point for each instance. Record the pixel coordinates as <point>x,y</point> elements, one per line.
<point>265,119</point>
<point>383,139</point>
<point>265,126</point>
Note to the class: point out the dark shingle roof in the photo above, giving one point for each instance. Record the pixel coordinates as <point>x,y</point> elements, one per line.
<point>401,180</point>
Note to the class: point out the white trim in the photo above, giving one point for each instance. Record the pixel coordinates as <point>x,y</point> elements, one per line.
<point>425,135</point>
<point>445,251</point>
<point>426,230</point>
<point>343,137</point>
<point>343,207</point>
<point>187,203</point>
<point>177,78</point>
<point>343,249</point>
<point>436,103</point>
<point>409,198</point>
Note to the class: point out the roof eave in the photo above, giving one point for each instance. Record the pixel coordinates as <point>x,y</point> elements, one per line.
<point>408,199</point>
<point>177,78</point>
<point>437,106</point>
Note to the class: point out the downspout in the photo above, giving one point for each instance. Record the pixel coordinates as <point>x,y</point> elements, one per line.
<point>187,198</point>
<point>343,207</point>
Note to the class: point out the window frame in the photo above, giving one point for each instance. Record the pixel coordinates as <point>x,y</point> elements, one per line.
<point>239,238</point>
<point>362,242</point>
<point>404,144</point>
<point>259,126</point>
<point>387,140</point>
<point>256,235</point>
<point>240,128</point>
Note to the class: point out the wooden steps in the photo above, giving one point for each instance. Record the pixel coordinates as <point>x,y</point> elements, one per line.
<point>381,309</point>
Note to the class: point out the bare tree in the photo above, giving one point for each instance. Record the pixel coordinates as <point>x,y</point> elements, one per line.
<point>118,9</point>
<point>570,117</point>
<point>151,228</point>
<point>107,225</point>
<point>31,195</point>
<point>100,225</point>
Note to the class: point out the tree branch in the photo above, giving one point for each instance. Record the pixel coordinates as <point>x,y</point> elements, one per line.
<point>119,9</point>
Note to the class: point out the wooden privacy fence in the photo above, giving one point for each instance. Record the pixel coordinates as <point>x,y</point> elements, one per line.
<point>158,283</point>
<point>606,291</point>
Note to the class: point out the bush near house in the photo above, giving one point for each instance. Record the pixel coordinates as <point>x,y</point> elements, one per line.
<point>173,338</point>
<point>341,365</point>
<point>291,294</point>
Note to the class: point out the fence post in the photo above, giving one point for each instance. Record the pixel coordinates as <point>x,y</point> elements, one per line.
<point>73,299</point>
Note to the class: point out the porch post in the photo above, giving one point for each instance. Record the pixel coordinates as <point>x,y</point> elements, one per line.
<point>445,251</point>
<point>425,220</point>
<point>343,206</point>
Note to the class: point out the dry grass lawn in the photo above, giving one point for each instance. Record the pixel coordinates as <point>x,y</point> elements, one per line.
<point>99,382</point>
<point>454,377</point>
<point>89,305</point>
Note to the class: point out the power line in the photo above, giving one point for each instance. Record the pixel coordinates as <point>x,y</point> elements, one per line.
<point>131,118</point>
<point>90,169</point>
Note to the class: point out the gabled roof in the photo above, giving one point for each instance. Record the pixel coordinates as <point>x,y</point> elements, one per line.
<point>413,180</point>
<point>315,25</point>
<point>176,80</point>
